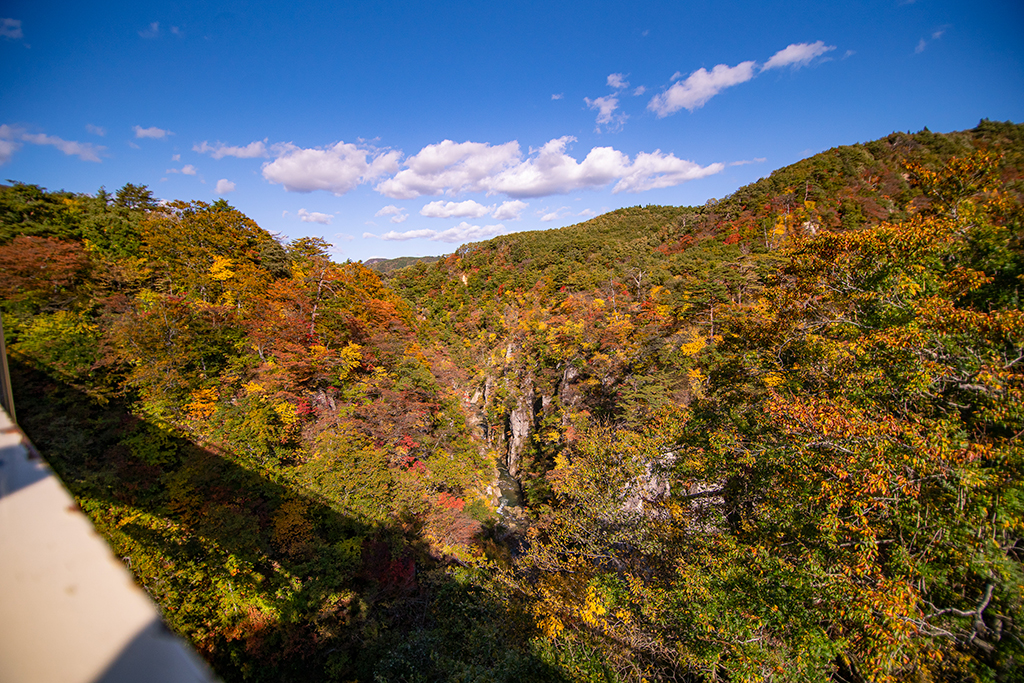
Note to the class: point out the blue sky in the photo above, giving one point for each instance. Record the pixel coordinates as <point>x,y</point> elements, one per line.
<point>408,128</point>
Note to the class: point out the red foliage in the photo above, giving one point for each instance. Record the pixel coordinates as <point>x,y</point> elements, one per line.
<point>668,249</point>
<point>410,462</point>
<point>39,264</point>
<point>450,502</point>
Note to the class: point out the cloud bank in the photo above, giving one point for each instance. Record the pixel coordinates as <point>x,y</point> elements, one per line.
<point>466,209</point>
<point>337,169</point>
<point>463,232</point>
<point>450,168</point>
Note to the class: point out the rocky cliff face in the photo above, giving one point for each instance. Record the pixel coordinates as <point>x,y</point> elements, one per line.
<point>507,404</point>
<point>520,424</point>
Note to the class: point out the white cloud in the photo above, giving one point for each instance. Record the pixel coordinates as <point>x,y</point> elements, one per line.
<point>556,214</point>
<point>451,168</point>
<point>462,232</point>
<point>551,171</point>
<point>744,162</point>
<point>95,130</point>
<point>558,96</point>
<point>152,132</point>
<point>655,170</point>
<point>466,209</point>
<point>83,150</point>
<point>151,31</point>
<point>175,30</point>
<point>253,150</point>
<point>11,29</point>
<point>315,217</point>
<point>189,169</point>
<point>224,186</point>
<point>337,169</point>
<point>922,44</point>
<point>700,87</point>
<point>606,107</point>
<point>640,90</point>
<point>397,214</point>
<point>11,137</point>
<point>587,213</point>
<point>509,211</point>
<point>797,55</point>
<point>7,149</point>
<point>617,81</point>
<point>403,236</point>
<point>175,157</point>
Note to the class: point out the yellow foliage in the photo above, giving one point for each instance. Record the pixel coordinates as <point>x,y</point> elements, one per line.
<point>694,346</point>
<point>780,227</point>
<point>349,358</point>
<point>253,388</point>
<point>593,607</point>
<point>202,405</point>
<point>221,269</point>
<point>698,380</point>
<point>551,625</point>
<point>287,412</point>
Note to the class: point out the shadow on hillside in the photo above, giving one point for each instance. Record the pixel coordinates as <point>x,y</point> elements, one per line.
<point>267,581</point>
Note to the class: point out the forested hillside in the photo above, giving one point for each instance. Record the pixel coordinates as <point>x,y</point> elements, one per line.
<point>775,437</point>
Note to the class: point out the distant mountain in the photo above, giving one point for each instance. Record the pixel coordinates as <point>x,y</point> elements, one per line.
<point>387,265</point>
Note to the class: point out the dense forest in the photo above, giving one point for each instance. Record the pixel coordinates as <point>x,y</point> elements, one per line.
<point>777,437</point>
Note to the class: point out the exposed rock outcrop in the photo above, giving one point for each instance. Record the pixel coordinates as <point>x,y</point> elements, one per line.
<point>520,424</point>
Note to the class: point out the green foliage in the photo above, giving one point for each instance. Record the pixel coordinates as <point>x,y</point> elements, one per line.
<point>63,341</point>
<point>350,473</point>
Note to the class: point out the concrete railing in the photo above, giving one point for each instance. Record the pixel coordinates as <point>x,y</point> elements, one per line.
<point>69,610</point>
<point>6,393</point>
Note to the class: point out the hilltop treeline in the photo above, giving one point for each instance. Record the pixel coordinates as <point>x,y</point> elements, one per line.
<point>775,437</point>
